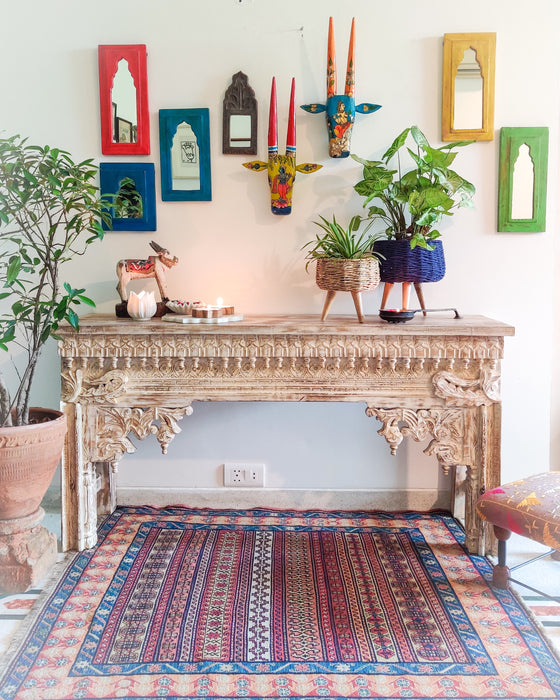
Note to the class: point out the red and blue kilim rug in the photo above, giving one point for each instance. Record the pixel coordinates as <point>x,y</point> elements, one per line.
<point>181,603</point>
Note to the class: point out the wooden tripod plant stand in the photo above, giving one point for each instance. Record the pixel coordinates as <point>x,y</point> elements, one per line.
<point>388,286</point>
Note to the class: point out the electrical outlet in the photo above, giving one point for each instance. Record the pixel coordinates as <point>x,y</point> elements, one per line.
<point>243,474</point>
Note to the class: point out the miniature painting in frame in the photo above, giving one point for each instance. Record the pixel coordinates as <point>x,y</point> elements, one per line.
<point>239,133</point>
<point>184,140</point>
<point>523,179</point>
<point>123,99</point>
<point>130,189</point>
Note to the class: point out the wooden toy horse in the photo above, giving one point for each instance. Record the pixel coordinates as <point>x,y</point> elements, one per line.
<point>281,168</point>
<point>154,266</point>
<point>340,109</point>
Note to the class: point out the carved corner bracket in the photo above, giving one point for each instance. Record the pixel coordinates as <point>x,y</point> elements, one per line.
<point>457,391</point>
<point>114,424</point>
<point>445,425</point>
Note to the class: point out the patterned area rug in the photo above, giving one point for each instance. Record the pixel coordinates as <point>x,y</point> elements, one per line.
<point>181,603</point>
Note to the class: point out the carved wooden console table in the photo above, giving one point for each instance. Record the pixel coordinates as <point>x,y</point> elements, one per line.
<point>433,376</point>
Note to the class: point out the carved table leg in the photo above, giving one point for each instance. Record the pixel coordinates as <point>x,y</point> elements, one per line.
<point>71,470</point>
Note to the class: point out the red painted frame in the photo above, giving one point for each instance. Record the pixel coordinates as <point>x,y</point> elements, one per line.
<point>109,56</point>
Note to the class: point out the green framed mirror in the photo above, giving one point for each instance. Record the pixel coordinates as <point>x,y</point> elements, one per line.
<point>523,179</point>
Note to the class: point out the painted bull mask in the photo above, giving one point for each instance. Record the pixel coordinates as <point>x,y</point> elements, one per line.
<point>281,168</point>
<point>341,109</point>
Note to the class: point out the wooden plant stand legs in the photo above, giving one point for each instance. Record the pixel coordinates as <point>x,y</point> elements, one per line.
<point>356,296</point>
<point>388,286</point>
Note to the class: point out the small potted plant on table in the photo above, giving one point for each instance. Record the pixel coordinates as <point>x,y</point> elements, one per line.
<point>50,212</point>
<point>345,261</point>
<point>410,204</point>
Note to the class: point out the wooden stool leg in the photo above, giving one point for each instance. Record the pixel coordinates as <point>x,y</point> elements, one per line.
<point>357,296</point>
<point>500,574</point>
<point>405,295</point>
<point>328,303</point>
<point>386,291</point>
<point>420,295</point>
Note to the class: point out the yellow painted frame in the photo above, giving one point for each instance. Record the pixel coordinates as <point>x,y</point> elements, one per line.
<point>454,47</point>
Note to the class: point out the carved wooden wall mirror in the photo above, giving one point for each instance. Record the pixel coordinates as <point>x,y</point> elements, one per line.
<point>184,140</point>
<point>240,117</point>
<point>467,110</point>
<point>130,188</point>
<point>123,99</point>
<point>522,180</point>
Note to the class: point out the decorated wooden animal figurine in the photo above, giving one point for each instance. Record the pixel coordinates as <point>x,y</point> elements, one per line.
<point>281,168</point>
<point>340,109</point>
<point>154,266</point>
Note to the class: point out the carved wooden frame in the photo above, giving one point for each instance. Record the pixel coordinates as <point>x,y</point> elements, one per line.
<point>239,99</point>
<point>454,47</point>
<point>108,56</point>
<point>511,140</point>
<point>143,174</point>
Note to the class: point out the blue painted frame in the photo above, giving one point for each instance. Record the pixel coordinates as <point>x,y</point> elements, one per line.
<point>199,120</point>
<point>143,174</point>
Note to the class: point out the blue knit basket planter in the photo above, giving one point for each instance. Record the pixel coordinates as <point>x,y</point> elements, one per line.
<point>401,264</point>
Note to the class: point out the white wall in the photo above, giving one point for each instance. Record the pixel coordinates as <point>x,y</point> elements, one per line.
<point>233,247</point>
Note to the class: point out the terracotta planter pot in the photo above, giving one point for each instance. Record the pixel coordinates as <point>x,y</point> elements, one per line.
<point>29,455</point>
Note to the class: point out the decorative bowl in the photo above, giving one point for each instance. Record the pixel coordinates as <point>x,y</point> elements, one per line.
<point>180,307</point>
<point>396,316</point>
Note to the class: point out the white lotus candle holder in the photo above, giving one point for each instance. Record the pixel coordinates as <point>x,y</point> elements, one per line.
<point>142,306</point>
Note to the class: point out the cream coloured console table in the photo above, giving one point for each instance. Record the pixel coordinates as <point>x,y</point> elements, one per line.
<point>431,377</point>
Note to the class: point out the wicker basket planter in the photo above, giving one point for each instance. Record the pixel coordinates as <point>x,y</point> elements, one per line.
<point>346,275</point>
<point>401,264</point>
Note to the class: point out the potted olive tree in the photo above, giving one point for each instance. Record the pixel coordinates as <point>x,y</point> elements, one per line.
<point>345,260</point>
<point>50,211</point>
<point>410,205</point>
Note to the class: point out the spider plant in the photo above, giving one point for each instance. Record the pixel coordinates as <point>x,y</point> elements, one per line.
<point>341,242</point>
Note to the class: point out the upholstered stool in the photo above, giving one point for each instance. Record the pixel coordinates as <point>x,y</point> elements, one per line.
<point>529,507</point>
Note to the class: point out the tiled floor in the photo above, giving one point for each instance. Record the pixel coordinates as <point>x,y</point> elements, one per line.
<point>544,575</point>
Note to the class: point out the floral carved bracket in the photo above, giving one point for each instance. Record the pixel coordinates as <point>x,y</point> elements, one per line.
<point>445,425</point>
<point>114,424</point>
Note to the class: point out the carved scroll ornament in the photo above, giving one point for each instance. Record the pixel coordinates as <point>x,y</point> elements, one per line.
<point>445,425</point>
<point>108,387</point>
<point>482,391</point>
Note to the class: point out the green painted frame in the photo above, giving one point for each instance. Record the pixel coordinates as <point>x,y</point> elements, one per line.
<point>511,140</point>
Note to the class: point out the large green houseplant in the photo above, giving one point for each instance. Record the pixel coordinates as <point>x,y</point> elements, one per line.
<point>413,202</point>
<point>50,212</point>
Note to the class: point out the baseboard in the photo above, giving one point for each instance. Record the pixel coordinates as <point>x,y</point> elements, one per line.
<point>328,499</point>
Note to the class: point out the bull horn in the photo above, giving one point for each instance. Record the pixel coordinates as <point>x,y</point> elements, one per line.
<point>291,137</point>
<point>350,79</point>
<point>156,247</point>
<point>331,62</point>
<point>273,122</point>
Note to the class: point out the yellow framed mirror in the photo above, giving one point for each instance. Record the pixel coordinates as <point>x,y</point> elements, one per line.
<point>467,108</point>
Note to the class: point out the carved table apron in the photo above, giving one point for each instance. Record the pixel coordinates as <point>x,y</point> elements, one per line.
<point>433,376</point>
